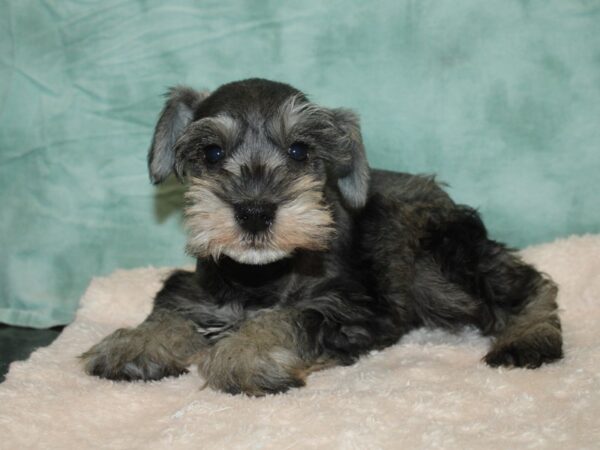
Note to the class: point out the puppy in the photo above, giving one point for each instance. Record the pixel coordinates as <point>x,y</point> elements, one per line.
<point>307,258</point>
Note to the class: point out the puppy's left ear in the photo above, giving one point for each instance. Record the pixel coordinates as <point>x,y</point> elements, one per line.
<point>176,115</point>
<point>350,167</point>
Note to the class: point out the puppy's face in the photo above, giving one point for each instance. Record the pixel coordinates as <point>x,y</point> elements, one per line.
<point>258,157</point>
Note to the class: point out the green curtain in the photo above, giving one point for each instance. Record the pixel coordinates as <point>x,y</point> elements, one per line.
<point>501,99</point>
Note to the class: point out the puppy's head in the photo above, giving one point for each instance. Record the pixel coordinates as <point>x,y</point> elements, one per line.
<point>258,158</point>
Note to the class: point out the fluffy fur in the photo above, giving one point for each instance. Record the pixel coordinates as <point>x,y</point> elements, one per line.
<point>308,258</point>
<point>429,391</point>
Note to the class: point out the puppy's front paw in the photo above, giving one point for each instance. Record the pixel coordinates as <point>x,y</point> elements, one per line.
<point>124,355</point>
<point>156,349</point>
<point>542,344</point>
<point>236,366</point>
<point>260,358</point>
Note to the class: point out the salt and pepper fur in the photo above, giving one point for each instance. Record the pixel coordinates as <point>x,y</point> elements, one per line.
<point>354,258</point>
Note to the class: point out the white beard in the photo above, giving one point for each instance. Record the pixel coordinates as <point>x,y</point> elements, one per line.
<point>256,256</point>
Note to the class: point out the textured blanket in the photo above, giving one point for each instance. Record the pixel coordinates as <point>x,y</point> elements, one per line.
<point>429,391</point>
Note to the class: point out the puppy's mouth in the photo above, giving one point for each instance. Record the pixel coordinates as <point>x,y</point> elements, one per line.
<point>256,255</point>
<point>256,241</point>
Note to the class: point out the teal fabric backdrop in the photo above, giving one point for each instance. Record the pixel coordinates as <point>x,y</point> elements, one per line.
<point>501,99</point>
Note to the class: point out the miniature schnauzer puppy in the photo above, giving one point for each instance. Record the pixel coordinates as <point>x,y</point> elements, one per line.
<point>307,258</point>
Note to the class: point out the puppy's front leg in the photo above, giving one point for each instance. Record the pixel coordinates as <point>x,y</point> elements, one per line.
<point>268,354</point>
<point>319,327</point>
<point>161,346</point>
<point>165,343</point>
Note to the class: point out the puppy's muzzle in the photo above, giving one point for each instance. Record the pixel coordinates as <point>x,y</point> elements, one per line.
<point>255,217</point>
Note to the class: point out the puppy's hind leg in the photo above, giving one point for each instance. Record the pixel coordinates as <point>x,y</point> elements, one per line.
<point>516,304</point>
<point>531,335</point>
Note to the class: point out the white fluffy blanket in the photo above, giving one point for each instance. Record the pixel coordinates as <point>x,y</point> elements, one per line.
<point>429,391</point>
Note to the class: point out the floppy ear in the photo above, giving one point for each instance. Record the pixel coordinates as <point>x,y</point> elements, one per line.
<point>177,113</point>
<point>351,167</point>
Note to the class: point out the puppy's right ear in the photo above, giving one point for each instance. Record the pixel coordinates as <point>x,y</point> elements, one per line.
<point>175,116</point>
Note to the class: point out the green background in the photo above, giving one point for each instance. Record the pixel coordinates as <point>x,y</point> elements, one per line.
<point>500,98</point>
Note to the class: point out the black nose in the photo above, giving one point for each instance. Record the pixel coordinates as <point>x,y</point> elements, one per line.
<point>255,217</point>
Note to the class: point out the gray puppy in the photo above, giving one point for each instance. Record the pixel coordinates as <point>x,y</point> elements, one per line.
<point>307,258</point>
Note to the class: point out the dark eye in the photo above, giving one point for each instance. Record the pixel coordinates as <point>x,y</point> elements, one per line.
<point>298,151</point>
<point>213,153</point>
